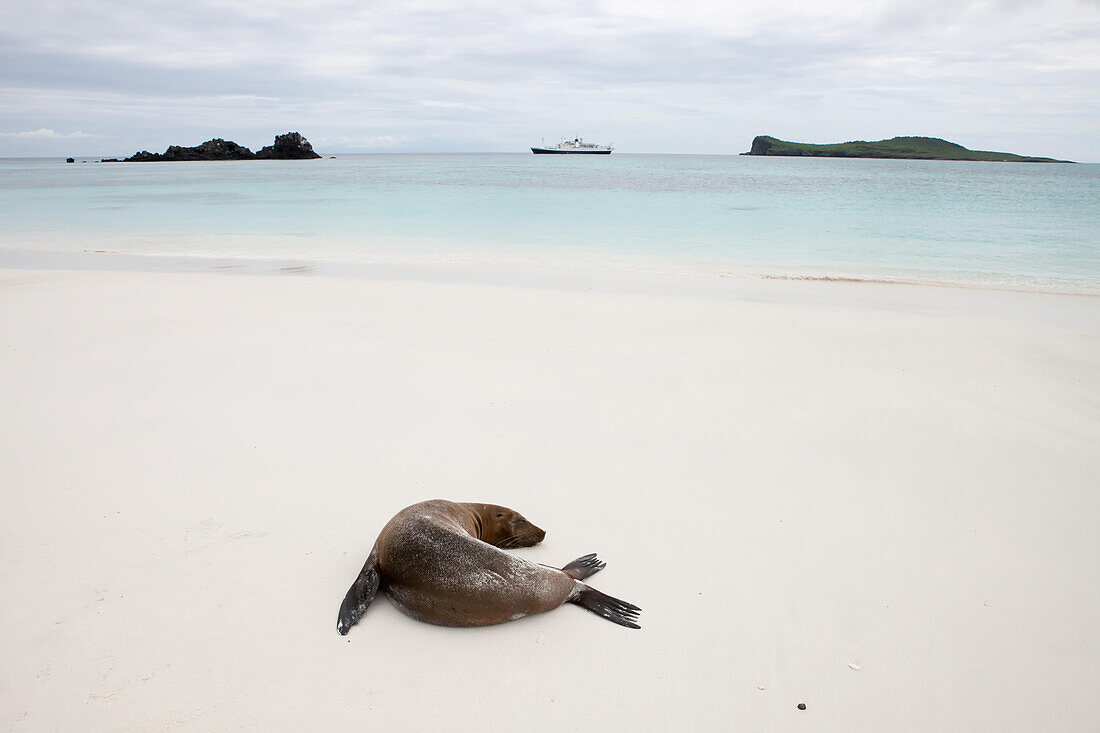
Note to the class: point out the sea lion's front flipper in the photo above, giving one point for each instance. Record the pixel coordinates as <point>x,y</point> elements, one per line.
<point>584,566</point>
<point>601,604</point>
<point>359,595</point>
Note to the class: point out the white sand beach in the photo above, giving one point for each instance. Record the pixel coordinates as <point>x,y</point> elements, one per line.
<point>877,500</point>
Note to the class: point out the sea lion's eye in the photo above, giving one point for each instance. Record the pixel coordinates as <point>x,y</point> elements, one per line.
<point>500,515</point>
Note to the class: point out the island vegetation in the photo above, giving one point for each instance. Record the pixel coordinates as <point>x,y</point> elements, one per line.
<point>915,148</point>
<point>290,146</point>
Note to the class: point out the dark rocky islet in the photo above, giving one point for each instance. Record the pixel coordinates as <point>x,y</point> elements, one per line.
<point>289,146</point>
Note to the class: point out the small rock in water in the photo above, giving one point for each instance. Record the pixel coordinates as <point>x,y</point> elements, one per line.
<point>801,706</point>
<point>853,667</point>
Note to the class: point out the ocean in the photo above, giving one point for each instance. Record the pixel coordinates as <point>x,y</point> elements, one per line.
<point>1003,225</point>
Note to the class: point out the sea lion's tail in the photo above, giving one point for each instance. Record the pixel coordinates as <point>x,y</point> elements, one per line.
<point>359,595</point>
<point>601,604</point>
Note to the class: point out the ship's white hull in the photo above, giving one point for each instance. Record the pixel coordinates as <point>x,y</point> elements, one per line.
<point>571,151</point>
<point>576,146</point>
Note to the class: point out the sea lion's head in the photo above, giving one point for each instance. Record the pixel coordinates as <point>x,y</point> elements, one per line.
<point>505,527</point>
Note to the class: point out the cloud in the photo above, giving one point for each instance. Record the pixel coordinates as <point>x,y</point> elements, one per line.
<point>44,133</point>
<point>693,77</point>
<point>449,105</point>
<point>343,142</point>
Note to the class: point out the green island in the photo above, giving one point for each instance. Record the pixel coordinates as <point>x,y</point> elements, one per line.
<point>914,148</point>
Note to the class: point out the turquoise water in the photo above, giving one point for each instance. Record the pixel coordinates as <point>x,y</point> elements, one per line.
<point>1034,226</point>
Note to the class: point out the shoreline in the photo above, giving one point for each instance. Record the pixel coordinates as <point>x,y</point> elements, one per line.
<point>474,270</point>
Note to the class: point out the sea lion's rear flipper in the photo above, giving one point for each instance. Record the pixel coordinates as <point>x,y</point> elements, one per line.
<point>359,595</point>
<point>584,566</point>
<point>601,604</point>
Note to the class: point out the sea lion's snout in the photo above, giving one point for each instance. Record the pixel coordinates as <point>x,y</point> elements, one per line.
<point>528,535</point>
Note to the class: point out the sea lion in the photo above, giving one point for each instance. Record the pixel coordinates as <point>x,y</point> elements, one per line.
<point>443,562</point>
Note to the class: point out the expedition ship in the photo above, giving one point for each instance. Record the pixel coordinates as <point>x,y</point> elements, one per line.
<point>573,147</point>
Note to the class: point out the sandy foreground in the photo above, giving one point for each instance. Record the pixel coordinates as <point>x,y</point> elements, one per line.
<point>879,500</point>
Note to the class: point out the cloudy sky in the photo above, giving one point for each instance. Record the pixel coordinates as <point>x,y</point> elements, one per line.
<point>109,77</point>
